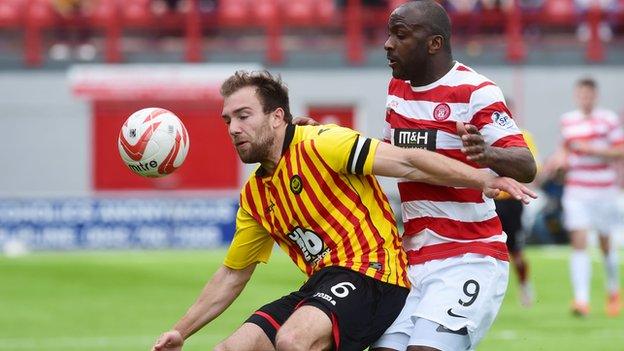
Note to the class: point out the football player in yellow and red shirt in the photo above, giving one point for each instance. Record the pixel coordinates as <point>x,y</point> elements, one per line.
<point>315,195</point>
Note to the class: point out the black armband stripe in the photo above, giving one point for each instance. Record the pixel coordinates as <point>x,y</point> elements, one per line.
<point>363,154</point>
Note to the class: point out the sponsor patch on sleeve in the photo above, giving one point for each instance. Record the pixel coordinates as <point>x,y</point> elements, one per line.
<point>502,119</point>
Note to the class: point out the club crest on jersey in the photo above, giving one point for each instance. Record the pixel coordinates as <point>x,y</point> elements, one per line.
<point>502,119</point>
<point>296,184</point>
<point>441,112</point>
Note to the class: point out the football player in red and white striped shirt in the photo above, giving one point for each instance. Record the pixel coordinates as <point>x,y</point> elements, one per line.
<point>456,248</point>
<point>592,138</point>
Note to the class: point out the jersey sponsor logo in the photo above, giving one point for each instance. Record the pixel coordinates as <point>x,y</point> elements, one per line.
<point>415,138</point>
<point>502,119</point>
<point>296,184</point>
<point>441,112</point>
<point>310,244</point>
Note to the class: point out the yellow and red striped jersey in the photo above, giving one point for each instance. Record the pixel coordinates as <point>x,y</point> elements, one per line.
<point>323,206</point>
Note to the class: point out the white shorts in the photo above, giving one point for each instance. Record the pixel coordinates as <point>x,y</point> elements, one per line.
<point>461,295</point>
<point>586,214</point>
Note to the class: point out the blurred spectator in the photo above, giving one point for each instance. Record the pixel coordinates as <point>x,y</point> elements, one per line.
<point>367,3</point>
<point>73,29</point>
<point>604,30</point>
<point>495,4</point>
<point>462,12</point>
<point>69,9</point>
<point>461,6</point>
<point>160,7</point>
<point>531,4</point>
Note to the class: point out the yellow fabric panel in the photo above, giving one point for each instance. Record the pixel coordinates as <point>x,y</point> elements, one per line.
<point>251,243</point>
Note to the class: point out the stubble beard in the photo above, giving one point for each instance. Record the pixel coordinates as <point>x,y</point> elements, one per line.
<point>258,151</point>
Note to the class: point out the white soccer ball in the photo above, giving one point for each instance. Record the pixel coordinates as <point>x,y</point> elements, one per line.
<point>153,142</point>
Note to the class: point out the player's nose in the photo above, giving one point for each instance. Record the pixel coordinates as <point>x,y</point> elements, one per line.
<point>389,44</point>
<point>234,127</point>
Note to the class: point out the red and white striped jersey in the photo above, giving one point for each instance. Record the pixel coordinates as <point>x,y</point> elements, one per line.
<point>590,176</point>
<point>443,221</point>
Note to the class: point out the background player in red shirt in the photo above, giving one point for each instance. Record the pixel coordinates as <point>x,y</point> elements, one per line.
<point>592,140</point>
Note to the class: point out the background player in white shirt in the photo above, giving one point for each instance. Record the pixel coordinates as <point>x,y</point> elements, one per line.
<point>592,139</point>
<point>455,244</point>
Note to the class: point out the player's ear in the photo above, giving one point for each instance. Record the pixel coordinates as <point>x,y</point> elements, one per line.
<point>436,42</point>
<point>277,117</point>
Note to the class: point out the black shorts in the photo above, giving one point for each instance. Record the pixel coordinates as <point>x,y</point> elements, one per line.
<point>510,214</point>
<point>360,308</point>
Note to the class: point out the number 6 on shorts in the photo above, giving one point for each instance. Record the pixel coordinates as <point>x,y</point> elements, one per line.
<point>341,290</point>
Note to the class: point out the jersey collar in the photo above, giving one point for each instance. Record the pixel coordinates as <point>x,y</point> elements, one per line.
<point>288,137</point>
<point>438,82</point>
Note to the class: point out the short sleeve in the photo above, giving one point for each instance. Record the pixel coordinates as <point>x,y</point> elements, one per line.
<point>251,243</point>
<point>490,114</point>
<point>345,150</point>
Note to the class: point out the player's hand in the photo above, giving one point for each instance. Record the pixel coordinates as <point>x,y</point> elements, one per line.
<point>169,341</point>
<point>473,144</point>
<point>305,121</point>
<point>495,185</point>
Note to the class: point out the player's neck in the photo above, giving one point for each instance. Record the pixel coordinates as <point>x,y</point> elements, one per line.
<point>435,70</point>
<point>275,153</point>
<point>587,111</point>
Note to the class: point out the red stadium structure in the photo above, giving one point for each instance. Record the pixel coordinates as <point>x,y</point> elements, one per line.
<point>111,18</point>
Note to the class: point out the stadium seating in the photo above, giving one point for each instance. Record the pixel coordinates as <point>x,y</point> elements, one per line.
<point>235,13</point>
<point>559,12</point>
<point>12,13</point>
<point>137,13</point>
<point>272,17</point>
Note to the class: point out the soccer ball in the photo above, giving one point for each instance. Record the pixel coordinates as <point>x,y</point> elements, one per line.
<point>153,142</point>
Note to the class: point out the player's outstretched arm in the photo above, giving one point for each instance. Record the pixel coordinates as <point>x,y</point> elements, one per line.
<point>430,167</point>
<point>224,287</point>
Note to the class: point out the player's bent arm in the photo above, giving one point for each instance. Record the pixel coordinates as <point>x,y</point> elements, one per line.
<point>218,294</point>
<point>513,162</point>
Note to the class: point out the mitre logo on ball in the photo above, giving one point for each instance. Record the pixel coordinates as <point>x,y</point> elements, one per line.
<point>153,142</point>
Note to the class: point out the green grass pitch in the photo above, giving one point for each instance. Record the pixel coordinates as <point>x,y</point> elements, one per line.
<point>124,300</point>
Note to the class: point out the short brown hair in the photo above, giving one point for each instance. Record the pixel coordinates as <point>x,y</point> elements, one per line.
<point>587,82</point>
<point>270,89</point>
